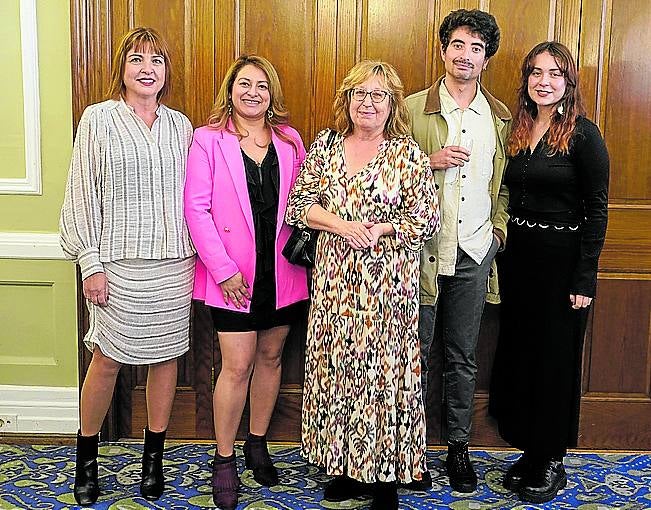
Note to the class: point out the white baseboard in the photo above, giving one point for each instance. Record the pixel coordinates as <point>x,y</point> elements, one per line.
<point>30,245</point>
<point>39,410</point>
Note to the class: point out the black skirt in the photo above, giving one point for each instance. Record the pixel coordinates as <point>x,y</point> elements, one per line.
<point>535,383</point>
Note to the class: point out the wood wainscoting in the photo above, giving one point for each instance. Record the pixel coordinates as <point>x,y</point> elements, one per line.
<point>313,43</point>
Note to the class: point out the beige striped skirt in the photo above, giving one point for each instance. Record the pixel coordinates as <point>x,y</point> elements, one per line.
<point>147,318</point>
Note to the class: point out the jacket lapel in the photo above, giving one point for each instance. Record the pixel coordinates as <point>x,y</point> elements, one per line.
<point>285,152</point>
<point>230,147</point>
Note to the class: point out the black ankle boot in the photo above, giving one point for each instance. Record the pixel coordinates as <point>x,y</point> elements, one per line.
<point>256,458</point>
<point>385,496</point>
<point>152,482</point>
<point>86,489</point>
<point>544,482</point>
<point>460,471</point>
<point>342,488</point>
<point>517,473</point>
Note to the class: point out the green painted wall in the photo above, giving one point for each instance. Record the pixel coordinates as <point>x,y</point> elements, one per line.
<point>41,213</point>
<point>12,142</point>
<point>38,338</point>
<point>38,303</point>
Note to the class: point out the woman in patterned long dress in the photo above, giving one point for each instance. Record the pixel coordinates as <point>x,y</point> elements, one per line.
<point>370,192</point>
<point>122,222</point>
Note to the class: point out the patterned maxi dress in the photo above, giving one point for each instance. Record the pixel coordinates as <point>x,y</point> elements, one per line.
<point>363,412</point>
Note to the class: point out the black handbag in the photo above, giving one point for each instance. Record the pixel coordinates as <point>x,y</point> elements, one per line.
<point>300,248</point>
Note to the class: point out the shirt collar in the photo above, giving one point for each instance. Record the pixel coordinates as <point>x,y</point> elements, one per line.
<point>479,104</point>
<point>123,104</point>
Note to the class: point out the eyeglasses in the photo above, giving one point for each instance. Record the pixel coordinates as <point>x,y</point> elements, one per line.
<point>377,96</point>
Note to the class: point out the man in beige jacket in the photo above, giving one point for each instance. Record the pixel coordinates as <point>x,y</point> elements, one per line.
<point>463,128</point>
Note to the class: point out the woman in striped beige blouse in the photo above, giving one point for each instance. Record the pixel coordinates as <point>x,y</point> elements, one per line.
<point>122,222</point>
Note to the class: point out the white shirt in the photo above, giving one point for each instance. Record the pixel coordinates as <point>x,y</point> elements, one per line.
<point>466,210</point>
<point>124,197</point>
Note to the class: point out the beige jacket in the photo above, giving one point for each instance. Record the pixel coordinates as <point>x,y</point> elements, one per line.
<point>430,131</point>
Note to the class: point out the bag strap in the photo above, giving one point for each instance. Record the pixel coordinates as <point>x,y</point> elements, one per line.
<point>331,138</point>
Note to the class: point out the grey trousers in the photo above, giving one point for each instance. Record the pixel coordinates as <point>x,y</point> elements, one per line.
<point>460,303</point>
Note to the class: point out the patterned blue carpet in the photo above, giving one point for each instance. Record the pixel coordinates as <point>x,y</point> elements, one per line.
<point>41,477</point>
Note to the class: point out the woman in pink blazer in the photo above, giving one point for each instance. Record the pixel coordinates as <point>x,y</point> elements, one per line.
<point>241,167</point>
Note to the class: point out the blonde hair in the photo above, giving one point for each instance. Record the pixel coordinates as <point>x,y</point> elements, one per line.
<point>221,111</point>
<point>139,39</point>
<point>398,122</point>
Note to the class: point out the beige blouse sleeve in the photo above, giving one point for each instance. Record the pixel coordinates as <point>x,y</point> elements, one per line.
<point>80,222</point>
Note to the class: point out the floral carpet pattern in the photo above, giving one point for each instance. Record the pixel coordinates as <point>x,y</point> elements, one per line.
<point>41,477</point>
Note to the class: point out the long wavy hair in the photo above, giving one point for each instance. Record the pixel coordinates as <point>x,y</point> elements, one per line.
<point>221,112</point>
<point>561,128</point>
<point>140,39</point>
<point>398,123</point>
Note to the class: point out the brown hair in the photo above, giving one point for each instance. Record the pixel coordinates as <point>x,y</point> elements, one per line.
<point>398,122</point>
<point>562,124</point>
<point>139,39</point>
<point>221,113</point>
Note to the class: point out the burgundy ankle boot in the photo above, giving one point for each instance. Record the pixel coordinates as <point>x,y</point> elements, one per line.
<point>225,482</point>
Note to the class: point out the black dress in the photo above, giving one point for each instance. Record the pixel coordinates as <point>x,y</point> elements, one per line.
<point>263,184</point>
<point>558,207</point>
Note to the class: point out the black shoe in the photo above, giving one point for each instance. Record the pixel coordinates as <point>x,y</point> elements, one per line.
<point>460,471</point>
<point>544,482</point>
<point>86,488</point>
<point>341,488</point>
<point>424,484</point>
<point>256,458</point>
<point>152,482</point>
<point>385,496</point>
<point>517,473</point>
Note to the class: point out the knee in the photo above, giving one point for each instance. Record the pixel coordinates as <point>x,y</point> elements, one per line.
<point>104,364</point>
<point>271,358</point>
<point>238,373</point>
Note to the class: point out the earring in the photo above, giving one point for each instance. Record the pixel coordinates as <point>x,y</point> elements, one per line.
<point>560,109</point>
<point>270,114</point>
<point>230,109</point>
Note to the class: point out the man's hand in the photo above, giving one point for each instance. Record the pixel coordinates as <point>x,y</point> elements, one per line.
<point>449,157</point>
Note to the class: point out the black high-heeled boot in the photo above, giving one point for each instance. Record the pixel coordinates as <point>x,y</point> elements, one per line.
<point>152,482</point>
<point>86,488</point>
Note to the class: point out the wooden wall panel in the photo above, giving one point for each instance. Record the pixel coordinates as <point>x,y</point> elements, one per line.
<point>284,32</point>
<point>413,21</point>
<point>619,351</point>
<point>628,101</point>
<point>518,36</point>
<point>628,240</point>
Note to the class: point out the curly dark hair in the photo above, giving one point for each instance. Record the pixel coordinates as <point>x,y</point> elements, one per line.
<point>479,23</point>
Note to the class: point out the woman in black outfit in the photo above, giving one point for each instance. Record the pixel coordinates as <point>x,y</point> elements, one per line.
<point>558,184</point>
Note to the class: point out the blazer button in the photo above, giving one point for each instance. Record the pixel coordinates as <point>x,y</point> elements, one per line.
<point>432,258</point>
<point>227,229</point>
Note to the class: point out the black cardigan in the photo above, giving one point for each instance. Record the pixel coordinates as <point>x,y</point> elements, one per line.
<point>566,189</point>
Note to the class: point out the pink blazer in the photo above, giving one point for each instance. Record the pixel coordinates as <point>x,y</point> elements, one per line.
<point>219,217</point>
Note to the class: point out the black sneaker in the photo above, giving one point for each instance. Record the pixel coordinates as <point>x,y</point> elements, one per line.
<point>544,482</point>
<point>517,473</point>
<point>460,471</point>
<point>424,484</point>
